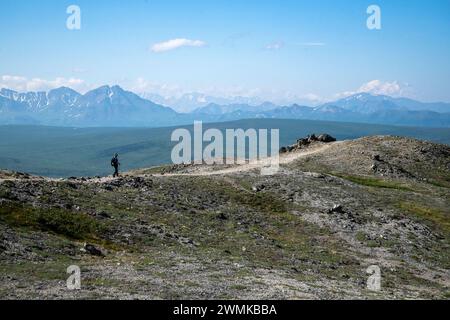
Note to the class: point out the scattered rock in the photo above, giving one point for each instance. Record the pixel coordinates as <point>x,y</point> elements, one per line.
<point>91,249</point>
<point>104,215</point>
<point>72,185</point>
<point>108,188</point>
<point>326,138</point>
<point>222,216</point>
<point>312,138</point>
<point>258,188</point>
<point>336,209</point>
<point>304,142</point>
<point>376,157</point>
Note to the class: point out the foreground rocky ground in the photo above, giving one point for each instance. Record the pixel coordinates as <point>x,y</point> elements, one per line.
<point>308,232</point>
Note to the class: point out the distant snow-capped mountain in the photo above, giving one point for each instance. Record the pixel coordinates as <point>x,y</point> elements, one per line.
<point>362,103</point>
<point>104,106</point>
<point>189,102</point>
<point>367,103</point>
<point>216,109</point>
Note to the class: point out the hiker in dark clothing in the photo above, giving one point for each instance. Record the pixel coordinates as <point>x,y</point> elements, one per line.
<point>115,163</point>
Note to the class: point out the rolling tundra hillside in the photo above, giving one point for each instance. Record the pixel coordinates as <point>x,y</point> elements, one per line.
<point>190,232</point>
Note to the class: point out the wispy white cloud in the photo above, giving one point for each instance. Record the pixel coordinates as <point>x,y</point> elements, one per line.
<point>274,45</point>
<point>22,84</point>
<point>313,98</point>
<point>175,44</point>
<point>142,85</point>
<point>378,87</point>
<point>277,96</point>
<point>174,91</point>
<point>312,44</point>
<point>280,44</point>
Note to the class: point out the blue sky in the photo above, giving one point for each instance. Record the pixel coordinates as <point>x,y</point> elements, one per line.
<point>316,50</point>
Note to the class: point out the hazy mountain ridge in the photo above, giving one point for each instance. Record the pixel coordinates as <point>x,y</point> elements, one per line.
<point>189,102</point>
<point>361,108</point>
<point>113,106</point>
<point>216,109</point>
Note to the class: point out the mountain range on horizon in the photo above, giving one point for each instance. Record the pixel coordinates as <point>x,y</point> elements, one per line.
<point>115,107</point>
<point>190,101</point>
